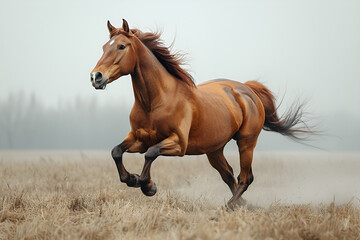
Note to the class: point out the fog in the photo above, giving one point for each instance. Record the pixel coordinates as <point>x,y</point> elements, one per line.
<point>306,50</point>
<point>26,123</point>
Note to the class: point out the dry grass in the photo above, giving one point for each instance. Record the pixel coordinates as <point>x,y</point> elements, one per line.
<point>78,196</point>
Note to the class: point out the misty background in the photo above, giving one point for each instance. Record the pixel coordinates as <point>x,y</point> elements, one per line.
<point>307,50</point>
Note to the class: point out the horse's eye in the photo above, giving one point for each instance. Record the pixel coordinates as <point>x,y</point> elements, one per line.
<point>121,47</point>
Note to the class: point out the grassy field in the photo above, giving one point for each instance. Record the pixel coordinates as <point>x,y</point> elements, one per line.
<point>78,195</point>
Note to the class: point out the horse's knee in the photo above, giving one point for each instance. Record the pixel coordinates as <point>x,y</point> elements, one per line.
<point>117,152</point>
<point>152,153</point>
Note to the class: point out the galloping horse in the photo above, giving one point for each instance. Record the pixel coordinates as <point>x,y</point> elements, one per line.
<point>172,116</point>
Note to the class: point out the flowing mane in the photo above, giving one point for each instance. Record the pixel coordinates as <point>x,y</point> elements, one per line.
<point>171,61</point>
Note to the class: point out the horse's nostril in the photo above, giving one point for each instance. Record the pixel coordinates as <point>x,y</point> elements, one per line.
<point>98,76</point>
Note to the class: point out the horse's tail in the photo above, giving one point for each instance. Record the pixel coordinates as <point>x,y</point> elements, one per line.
<point>290,124</point>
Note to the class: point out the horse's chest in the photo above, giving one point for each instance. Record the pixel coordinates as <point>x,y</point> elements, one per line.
<point>147,136</point>
<point>152,128</point>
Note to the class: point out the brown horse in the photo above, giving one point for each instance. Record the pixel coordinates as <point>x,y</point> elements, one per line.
<point>172,116</point>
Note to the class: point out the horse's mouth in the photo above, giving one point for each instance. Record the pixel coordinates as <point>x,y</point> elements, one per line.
<point>101,86</point>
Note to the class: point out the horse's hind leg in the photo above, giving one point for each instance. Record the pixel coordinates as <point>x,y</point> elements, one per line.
<point>218,161</point>
<point>246,147</point>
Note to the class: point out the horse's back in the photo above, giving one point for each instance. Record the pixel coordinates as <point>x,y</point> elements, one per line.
<point>237,91</point>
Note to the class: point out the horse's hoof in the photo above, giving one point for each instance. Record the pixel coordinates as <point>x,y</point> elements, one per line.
<point>133,181</point>
<point>231,204</point>
<point>149,191</point>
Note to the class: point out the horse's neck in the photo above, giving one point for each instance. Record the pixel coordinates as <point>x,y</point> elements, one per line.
<point>150,80</point>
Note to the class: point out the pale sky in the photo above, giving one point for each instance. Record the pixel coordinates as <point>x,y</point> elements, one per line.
<point>308,49</point>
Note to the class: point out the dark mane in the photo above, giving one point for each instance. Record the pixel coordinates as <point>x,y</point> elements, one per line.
<point>171,61</point>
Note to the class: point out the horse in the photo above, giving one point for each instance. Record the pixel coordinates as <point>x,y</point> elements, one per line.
<point>171,116</point>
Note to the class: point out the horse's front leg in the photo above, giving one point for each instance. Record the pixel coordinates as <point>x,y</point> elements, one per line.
<point>130,144</point>
<point>169,147</point>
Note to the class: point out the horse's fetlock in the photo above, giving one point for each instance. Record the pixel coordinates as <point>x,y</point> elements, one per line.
<point>144,180</point>
<point>133,181</point>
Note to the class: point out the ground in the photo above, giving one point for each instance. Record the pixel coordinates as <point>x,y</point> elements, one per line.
<point>78,195</point>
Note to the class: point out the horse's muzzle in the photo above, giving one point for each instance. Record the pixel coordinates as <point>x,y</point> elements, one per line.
<point>98,81</point>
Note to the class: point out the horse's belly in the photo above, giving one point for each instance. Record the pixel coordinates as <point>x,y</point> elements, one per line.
<point>201,146</point>
<point>211,135</point>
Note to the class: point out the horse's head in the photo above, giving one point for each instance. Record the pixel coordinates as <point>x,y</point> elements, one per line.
<point>118,59</point>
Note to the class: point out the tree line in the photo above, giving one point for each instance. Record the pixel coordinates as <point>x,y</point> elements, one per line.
<point>25,123</point>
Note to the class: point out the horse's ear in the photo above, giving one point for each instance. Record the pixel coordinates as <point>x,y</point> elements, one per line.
<point>110,27</point>
<point>125,26</point>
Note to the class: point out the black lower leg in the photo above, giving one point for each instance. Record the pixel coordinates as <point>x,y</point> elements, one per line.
<point>218,161</point>
<point>131,180</point>
<point>148,187</point>
<point>236,199</point>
